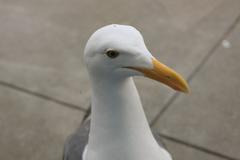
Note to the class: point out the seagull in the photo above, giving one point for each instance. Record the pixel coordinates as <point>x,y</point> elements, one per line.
<point>118,128</point>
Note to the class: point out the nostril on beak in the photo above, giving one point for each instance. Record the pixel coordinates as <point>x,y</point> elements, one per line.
<point>168,77</point>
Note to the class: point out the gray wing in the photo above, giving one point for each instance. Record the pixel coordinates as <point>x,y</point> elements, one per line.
<point>75,144</point>
<point>159,139</point>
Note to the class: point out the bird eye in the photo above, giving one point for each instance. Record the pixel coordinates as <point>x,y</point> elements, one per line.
<point>112,53</point>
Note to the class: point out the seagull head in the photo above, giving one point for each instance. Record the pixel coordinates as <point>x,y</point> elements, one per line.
<point>116,51</point>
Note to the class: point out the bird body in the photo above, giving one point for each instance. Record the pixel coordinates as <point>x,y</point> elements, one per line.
<point>119,129</point>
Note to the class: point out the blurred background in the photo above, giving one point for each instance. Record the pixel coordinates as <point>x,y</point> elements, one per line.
<point>44,87</point>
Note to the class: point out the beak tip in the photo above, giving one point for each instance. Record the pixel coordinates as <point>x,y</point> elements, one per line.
<point>186,90</point>
<point>182,87</point>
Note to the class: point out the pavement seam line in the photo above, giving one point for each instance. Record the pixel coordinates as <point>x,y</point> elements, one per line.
<point>87,113</point>
<point>42,96</point>
<point>196,70</point>
<point>190,145</point>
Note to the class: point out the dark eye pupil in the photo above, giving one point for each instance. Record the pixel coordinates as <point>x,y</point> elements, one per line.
<point>112,54</point>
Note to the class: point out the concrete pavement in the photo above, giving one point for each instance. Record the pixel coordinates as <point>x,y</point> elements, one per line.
<point>45,88</point>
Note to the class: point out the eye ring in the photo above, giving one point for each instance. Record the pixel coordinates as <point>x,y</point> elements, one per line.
<point>112,53</point>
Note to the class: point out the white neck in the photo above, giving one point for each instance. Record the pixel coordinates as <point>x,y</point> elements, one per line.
<point>119,128</point>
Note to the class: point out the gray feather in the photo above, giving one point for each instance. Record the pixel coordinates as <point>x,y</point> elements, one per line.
<point>75,144</point>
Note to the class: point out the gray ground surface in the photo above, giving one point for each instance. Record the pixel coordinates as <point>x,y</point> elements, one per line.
<point>44,88</point>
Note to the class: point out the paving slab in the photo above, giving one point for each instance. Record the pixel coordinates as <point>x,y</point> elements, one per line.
<point>209,116</point>
<point>72,89</point>
<point>39,56</point>
<point>32,128</point>
<point>179,151</point>
<point>49,37</point>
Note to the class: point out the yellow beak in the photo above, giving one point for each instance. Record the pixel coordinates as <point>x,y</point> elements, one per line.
<point>164,74</point>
